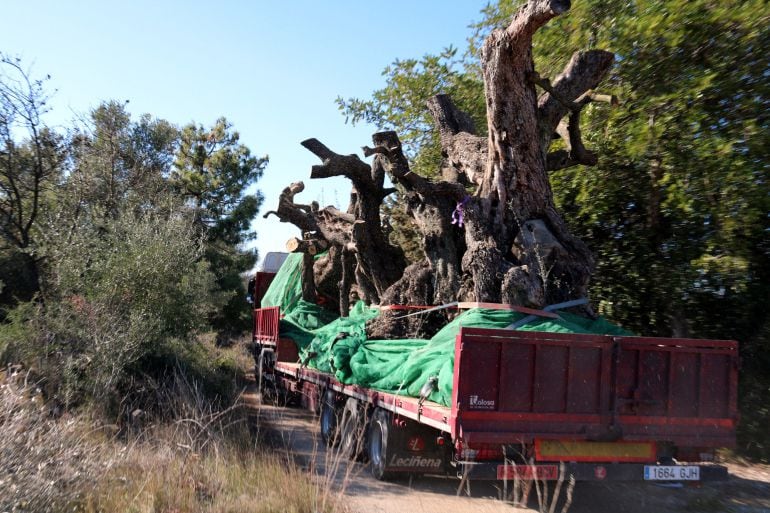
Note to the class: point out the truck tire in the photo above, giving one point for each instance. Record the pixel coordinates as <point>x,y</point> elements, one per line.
<point>265,387</point>
<point>352,430</point>
<point>328,418</point>
<point>379,429</point>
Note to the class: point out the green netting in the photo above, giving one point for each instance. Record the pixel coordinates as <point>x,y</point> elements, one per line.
<point>286,288</point>
<point>339,345</point>
<point>404,366</point>
<point>300,318</point>
<point>302,321</point>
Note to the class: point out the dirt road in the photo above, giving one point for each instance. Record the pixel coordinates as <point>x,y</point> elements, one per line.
<point>296,431</point>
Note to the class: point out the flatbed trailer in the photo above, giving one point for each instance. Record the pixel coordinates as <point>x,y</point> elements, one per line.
<point>533,404</point>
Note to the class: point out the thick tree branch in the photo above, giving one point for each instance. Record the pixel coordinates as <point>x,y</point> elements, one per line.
<point>331,213</point>
<point>299,215</point>
<point>347,262</point>
<point>574,141</point>
<point>308,278</point>
<point>583,73</point>
<point>448,118</point>
<point>360,229</point>
<point>389,154</point>
<point>575,153</point>
<point>349,166</point>
<point>465,154</point>
<point>436,208</point>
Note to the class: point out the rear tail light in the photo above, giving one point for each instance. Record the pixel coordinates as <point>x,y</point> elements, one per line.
<point>481,453</point>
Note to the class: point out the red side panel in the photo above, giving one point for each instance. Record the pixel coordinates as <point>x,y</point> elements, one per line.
<point>286,350</point>
<point>266,327</point>
<point>678,388</point>
<point>262,282</point>
<point>513,386</point>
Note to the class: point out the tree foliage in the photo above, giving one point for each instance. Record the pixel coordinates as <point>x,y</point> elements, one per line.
<point>135,231</point>
<point>31,157</point>
<point>124,289</point>
<point>212,169</point>
<point>119,164</point>
<point>212,172</point>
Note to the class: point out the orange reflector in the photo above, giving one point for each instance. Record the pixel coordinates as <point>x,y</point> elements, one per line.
<point>576,450</point>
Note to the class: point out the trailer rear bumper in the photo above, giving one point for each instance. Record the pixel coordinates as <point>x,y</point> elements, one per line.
<point>683,473</point>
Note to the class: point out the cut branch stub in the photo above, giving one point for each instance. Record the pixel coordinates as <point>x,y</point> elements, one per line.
<point>310,246</point>
<point>349,166</point>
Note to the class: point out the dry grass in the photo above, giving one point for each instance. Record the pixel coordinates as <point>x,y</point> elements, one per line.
<point>44,464</point>
<point>517,491</point>
<point>165,477</point>
<point>205,461</point>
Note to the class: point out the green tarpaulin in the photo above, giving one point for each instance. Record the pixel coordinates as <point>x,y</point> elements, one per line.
<point>339,346</point>
<point>300,318</point>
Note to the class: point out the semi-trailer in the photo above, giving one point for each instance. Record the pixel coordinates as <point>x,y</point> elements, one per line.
<point>529,404</point>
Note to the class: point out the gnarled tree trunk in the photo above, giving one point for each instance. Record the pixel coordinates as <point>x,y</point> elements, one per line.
<point>517,231</point>
<point>490,229</point>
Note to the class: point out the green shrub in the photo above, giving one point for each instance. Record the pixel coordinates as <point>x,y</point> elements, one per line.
<point>118,296</point>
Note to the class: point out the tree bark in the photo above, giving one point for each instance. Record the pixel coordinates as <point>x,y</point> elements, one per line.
<point>378,263</point>
<point>520,234</point>
<point>506,242</point>
<point>464,153</point>
<point>308,279</point>
<point>346,263</point>
<point>434,207</point>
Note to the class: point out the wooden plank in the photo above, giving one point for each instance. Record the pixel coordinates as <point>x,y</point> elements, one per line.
<point>502,306</point>
<point>402,307</point>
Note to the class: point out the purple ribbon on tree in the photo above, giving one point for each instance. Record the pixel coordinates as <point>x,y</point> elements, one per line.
<point>459,212</point>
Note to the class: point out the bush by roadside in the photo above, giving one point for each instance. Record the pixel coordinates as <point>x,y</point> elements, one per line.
<point>199,458</point>
<point>123,305</point>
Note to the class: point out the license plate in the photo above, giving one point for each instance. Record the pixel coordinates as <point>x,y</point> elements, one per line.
<point>526,472</point>
<point>671,473</point>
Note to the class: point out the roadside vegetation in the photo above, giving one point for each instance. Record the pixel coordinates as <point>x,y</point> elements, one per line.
<point>123,243</point>
<point>198,458</point>
<point>121,312</point>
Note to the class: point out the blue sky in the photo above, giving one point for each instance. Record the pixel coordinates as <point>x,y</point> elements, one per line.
<point>272,68</point>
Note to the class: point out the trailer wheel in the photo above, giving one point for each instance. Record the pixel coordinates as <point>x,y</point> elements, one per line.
<point>352,430</point>
<point>265,385</point>
<point>328,418</point>
<point>379,429</point>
